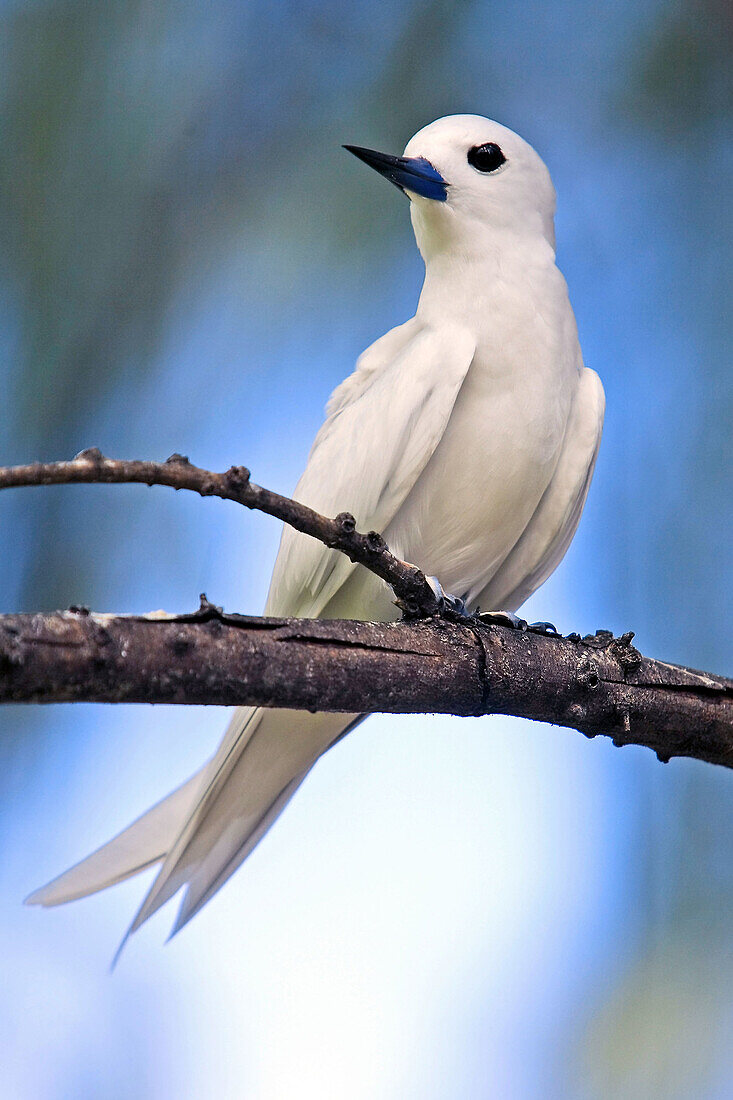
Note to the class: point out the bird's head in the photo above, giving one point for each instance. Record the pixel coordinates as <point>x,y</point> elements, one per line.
<point>469,179</point>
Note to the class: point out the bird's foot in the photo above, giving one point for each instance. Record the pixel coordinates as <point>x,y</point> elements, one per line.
<point>502,618</point>
<point>548,629</point>
<point>508,618</point>
<point>446,600</point>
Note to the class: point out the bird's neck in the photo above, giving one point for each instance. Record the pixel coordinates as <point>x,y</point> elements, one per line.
<point>464,280</point>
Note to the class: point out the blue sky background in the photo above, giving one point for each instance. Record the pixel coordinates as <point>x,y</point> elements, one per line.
<point>189,261</point>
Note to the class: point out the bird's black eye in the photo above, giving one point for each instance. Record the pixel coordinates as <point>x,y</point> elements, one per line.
<point>486,158</point>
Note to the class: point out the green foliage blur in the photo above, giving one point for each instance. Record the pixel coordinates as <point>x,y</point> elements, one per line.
<point>143,144</point>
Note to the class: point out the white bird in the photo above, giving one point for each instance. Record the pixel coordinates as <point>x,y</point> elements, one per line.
<point>466,436</point>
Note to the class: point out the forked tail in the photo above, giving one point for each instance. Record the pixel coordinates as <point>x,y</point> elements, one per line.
<point>205,829</point>
<point>140,845</point>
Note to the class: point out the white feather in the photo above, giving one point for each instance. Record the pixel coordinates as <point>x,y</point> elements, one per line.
<point>466,436</point>
<point>138,846</point>
<point>384,425</point>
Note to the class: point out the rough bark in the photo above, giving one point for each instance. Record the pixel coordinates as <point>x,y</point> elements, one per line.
<point>438,662</point>
<point>597,685</point>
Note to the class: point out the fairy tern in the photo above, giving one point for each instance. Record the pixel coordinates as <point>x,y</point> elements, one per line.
<point>466,436</point>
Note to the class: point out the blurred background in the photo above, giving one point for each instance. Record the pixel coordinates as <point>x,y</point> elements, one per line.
<point>189,261</point>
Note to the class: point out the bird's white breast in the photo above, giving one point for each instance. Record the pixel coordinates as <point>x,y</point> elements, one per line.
<point>499,451</point>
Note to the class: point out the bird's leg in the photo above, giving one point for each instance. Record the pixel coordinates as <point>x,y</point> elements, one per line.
<point>447,599</point>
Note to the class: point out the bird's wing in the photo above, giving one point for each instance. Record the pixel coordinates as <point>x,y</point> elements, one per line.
<point>382,427</point>
<point>549,533</point>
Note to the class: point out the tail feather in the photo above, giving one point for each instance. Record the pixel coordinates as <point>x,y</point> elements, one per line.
<point>175,870</point>
<point>206,828</point>
<point>201,887</point>
<point>140,845</point>
<point>263,759</point>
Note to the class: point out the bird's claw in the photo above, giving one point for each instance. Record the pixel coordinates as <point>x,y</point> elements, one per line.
<point>446,600</point>
<point>508,618</point>
<point>502,618</point>
<point>547,629</point>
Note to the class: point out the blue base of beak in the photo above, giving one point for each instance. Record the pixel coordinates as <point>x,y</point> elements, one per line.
<point>408,173</point>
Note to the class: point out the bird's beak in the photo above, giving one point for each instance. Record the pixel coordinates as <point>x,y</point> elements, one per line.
<point>408,173</point>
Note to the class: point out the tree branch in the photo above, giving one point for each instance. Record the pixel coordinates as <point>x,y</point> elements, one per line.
<point>414,595</point>
<point>597,685</point>
<point>441,663</point>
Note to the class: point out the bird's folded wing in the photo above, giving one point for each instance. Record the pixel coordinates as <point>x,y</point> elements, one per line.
<point>549,532</point>
<point>384,424</point>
